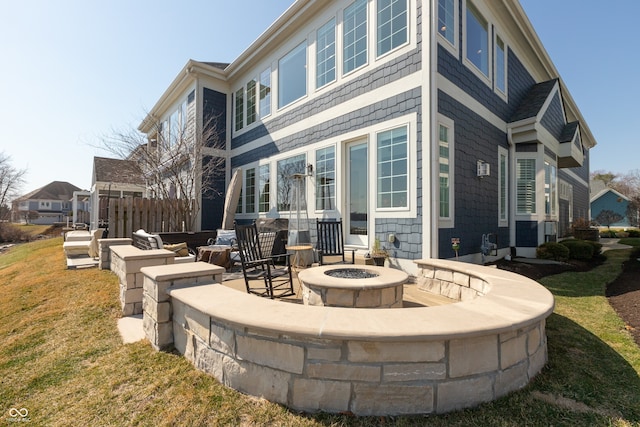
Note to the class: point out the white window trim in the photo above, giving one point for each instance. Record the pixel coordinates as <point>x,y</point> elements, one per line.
<point>375,29</point>
<point>504,95</point>
<point>276,91</point>
<point>311,158</point>
<point>487,79</point>
<point>370,40</point>
<point>444,42</point>
<point>503,222</point>
<point>539,196</point>
<point>450,124</point>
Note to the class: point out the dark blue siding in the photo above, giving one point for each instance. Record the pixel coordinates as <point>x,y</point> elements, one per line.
<point>214,107</point>
<point>527,234</point>
<point>553,119</point>
<point>476,199</point>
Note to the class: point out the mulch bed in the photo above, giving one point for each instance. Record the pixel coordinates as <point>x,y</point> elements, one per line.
<point>623,293</point>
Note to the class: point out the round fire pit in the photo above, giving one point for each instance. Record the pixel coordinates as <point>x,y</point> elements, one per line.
<point>353,286</point>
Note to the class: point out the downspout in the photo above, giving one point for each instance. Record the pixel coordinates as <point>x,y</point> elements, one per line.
<point>431,219</point>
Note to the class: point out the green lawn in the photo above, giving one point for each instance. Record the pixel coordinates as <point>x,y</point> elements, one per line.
<point>62,359</point>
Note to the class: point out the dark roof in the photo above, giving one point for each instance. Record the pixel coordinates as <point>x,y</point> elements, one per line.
<point>56,190</point>
<point>220,65</point>
<point>117,170</point>
<point>569,132</point>
<point>533,102</point>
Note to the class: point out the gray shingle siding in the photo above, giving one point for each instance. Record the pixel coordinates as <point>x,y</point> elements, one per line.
<point>214,105</point>
<point>476,199</point>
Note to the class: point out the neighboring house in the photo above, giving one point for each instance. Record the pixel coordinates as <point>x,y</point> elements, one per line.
<point>113,178</point>
<point>606,198</point>
<point>50,204</point>
<point>417,122</point>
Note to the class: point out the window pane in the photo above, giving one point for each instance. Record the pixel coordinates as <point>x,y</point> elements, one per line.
<point>392,168</point>
<point>250,191</point>
<point>501,81</point>
<point>355,36</point>
<point>326,178</point>
<point>292,76</point>
<point>239,108</point>
<point>326,56</point>
<point>477,39</point>
<point>286,169</point>
<point>392,25</point>
<point>251,102</point>
<point>503,187</point>
<point>445,190</point>
<point>526,186</point>
<point>263,203</point>
<point>446,20</point>
<point>265,93</point>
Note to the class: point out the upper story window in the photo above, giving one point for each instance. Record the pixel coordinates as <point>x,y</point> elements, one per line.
<point>447,20</point>
<point>392,25</point>
<point>526,186</point>
<point>500,66</point>
<point>326,178</point>
<point>326,54</point>
<point>393,167</point>
<point>265,93</point>
<point>292,75</point>
<point>239,108</point>
<point>477,39</point>
<point>354,36</point>
<point>251,102</point>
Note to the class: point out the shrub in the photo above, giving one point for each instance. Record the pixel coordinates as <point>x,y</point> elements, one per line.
<point>634,233</point>
<point>552,250</point>
<point>597,247</point>
<point>579,249</point>
<point>11,234</point>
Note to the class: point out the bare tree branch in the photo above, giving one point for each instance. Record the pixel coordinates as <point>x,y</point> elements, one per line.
<point>11,182</point>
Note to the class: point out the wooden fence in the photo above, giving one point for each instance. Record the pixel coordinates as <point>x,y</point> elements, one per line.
<point>129,214</point>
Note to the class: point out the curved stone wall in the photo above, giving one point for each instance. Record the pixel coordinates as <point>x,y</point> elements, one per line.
<point>372,361</point>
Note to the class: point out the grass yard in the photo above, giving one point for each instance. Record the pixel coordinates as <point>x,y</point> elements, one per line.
<point>62,359</point>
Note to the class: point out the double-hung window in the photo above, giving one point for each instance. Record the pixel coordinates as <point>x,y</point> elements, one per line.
<point>477,39</point>
<point>354,36</point>
<point>503,185</point>
<point>550,189</point>
<point>500,66</point>
<point>251,102</point>
<point>239,109</point>
<point>250,190</point>
<point>526,186</point>
<point>265,93</point>
<point>393,167</point>
<point>326,54</point>
<point>263,188</point>
<point>292,75</point>
<point>326,178</point>
<point>446,20</point>
<point>392,25</point>
<point>445,171</point>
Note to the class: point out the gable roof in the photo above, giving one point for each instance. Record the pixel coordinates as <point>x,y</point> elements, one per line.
<point>117,170</point>
<point>56,190</point>
<point>605,191</point>
<point>534,101</point>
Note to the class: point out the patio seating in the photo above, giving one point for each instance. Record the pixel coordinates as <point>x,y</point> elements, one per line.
<point>261,275</point>
<point>331,243</point>
<point>146,241</point>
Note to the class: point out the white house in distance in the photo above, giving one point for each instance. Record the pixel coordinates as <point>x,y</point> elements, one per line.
<point>419,123</point>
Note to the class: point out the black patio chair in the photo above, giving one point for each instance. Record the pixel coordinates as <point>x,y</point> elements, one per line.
<point>331,243</point>
<point>261,274</point>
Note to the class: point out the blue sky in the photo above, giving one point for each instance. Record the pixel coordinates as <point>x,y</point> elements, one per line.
<point>72,71</point>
